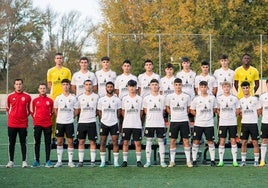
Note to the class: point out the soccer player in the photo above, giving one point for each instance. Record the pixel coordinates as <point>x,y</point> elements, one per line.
<point>65,109</point>
<point>77,83</point>
<point>104,75</point>
<point>228,107</point>
<point>264,125</point>
<point>54,77</point>
<point>250,110</point>
<point>248,73</point>
<point>109,109</point>
<point>132,112</point>
<point>202,107</point>
<point>177,106</point>
<point>18,110</point>
<point>154,107</point>
<point>121,82</point>
<point>87,104</point>
<point>223,74</point>
<point>166,83</point>
<point>145,78</point>
<point>42,110</point>
<point>205,76</point>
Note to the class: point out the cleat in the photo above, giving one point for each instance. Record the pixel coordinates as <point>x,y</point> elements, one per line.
<point>189,164</point>
<point>171,164</point>
<point>147,165</point>
<point>36,164</point>
<point>212,163</point>
<point>102,165</point>
<point>139,164</point>
<point>92,164</point>
<point>163,165</point>
<point>58,164</point>
<point>49,164</point>
<point>235,164</point>
<point>71,164</point>
<point>242,164</point>
<point>124,164</point>
<point>256,163</point>
<point>80,164</point>
<point>116,165</point>
<point>220,164</point>
<point>24,164</point>
<point>10,164</point>
<point>262,164</point>
<point>195,164</point>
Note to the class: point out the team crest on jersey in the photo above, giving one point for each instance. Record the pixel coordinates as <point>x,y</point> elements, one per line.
<point>92,99</point>
<point>23,98</point>
<point>47,103</point>
<point>109,76</point>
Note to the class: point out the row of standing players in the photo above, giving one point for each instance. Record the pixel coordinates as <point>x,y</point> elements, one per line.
<point>190,83</point>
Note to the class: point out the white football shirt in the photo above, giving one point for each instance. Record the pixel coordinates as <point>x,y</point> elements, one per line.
<point>264,105</point>
<point>103,78</point>
<point>221,76</point>
<point>88,106</point>
<point>187,82</point>
<point>121,84</point>
<point>209,79</point>
<point>144,83</point>
<point>249,107</point>
<point>167,85</point>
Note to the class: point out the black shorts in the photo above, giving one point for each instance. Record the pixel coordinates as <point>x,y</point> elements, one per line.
<point>264,130</point>
<point>105,130</point>
<point>208,131</point>
<point>179,127</point>
<point>67,129</point>
<point>223,130</point>
<point>85,129</point>
<point>249,129</point>
<point>151,131</point>
<point>136,134</point>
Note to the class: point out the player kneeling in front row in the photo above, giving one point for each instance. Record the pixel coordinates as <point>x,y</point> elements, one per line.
<point>202,107</point>
<point>65,108</point>
<point>153,106</point>
<point>228,109</point>
<point>87,104</point>
<point>264,125</point>
<point>250,110</point>
<point>178,105</point>
<point>132,112</point>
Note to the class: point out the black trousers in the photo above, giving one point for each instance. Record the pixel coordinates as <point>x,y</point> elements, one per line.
<point>37,140</point>
<point>12,135</point>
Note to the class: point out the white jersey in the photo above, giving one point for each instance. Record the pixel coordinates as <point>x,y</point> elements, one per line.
<point>132,107</point>
<point>155,108</point>
<point>209,79</point>
<point>103,78</point>
<point>178,106</point>
<point>144,83</point>
<point>121,84</point>
<point>109,106</point>
<point>221,76</point>
<point>79,78</point>
<point>88,106</point>
<point>204,107</point>
<point>187,82</point>
<point>264,105</point>
<point>65,106</point>
<point>249,107</point>
<point>167,85</point>
<point>227,106</point>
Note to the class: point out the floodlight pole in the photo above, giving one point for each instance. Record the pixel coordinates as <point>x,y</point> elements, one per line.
<point>7,65</point>
<point>261,59</point>
<point>159,54</point>
<point>108,44</point>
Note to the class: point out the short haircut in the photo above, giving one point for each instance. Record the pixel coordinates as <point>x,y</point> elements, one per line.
<point>154,81</point>
<point>42,84</point>
<point>226,83</point>
<point>245,54</point>
<point>245,83</point>
<point>185,59</point>
<point>169,65</point>
<point>18,79</point>
<point>105,58</point>
<point>87,81</point>
<point>132,83</point>
<point>66,81</point>
<point>224,56</point>
<point>109,83</point>
<point>178,80</point>
<point>147,61</point>
<point>127,62</point>
<point>58,53</point>
<point>84,58</point>
<point>203,83</point>
<point>204,62</point>
<point>266,81</point>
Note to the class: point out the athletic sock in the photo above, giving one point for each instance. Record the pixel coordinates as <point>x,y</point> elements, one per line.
<point>161,149</point>
<point>243,156</point>
<point>138,156</point>
<point>81,153</point>
<point>187,151</point>
<point>195,151</point>
<point>234,152</point>
<point>148,149</point>
<point>116,158</point>
<point>70,154</point>
<point>221,153</point>
<point>172,154</point>
<point>263,151</point>
<point>92,155</point>
<point>125,155</point>
<point>256,157</point>
<point>102,156</point>
<point>59,153</point>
